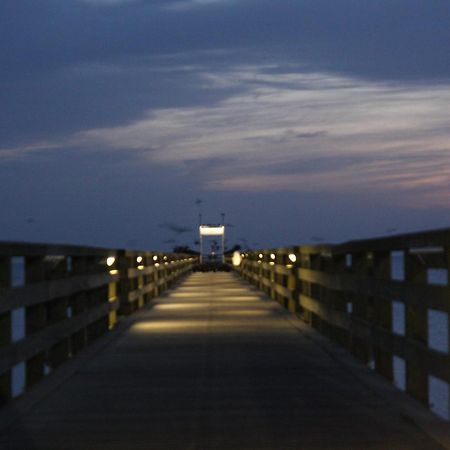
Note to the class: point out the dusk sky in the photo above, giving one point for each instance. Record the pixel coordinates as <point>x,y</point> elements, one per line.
<point>302,120</point>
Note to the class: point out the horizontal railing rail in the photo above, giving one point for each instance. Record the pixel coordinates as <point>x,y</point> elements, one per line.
<point>56,299</point>
<point>387,300</point>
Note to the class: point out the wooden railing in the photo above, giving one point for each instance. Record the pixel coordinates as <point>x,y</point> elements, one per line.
<point>387,300</point>
<point>55,300</point>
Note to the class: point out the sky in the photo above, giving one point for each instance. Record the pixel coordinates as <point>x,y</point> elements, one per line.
<point>304,121</point>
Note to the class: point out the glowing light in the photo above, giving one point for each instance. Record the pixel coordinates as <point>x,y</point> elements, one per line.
<point>139,259</point>
<point>272,263</point>
<point>155,258</point>
<point>292,257</point>
<point>206,230</point>
<point>113,272</point>
<point>272,256</point>
<point>156,264</point>
<point>236,259</point>
<point>259,262</point>
<point>165,257</point>
<point>110,261</point>
<point>166,263</point>
<point>141,267</point>
<point>260,256</point>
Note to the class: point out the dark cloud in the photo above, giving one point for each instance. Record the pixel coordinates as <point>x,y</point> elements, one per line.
<point>379,39</point>
<point>175,228</point>
<point>74,99</point>
<point>311,135</point>
<point>72,65</point>
<point>287,136</point>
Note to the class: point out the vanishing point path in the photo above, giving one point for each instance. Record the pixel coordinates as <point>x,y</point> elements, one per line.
<point>213,364</point>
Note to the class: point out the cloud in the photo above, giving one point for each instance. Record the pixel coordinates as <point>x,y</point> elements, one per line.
<point>310,135</point>
<point>108,2</point>
<point>401,182</point>
<point>70,66</point>
<point>184,5</point>
<point>299,132</point>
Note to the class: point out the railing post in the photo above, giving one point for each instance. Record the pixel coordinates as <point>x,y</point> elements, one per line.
<point>125,307</point>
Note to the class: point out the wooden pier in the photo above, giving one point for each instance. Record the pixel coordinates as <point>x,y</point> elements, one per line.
<point>215,364</point>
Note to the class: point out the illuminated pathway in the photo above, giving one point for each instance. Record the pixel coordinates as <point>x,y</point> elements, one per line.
<point>214,365</point>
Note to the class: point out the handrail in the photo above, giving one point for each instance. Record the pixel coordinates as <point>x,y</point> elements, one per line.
<point>387,300</point>
<point>56,299</point>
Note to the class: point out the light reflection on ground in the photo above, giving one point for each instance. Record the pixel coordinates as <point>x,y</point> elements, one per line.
<point>245,312</point>
<point>179,306</point>
<point>236,324</point>
<point>215,304</point>
<point>215,297</point>
<point>190,294</point>
<point>168,325</point>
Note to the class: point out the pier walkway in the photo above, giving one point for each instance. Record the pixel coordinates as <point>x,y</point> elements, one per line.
<point>214,364</point>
